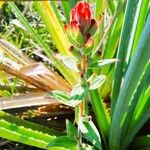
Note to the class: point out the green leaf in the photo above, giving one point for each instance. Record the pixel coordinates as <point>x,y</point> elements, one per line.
<point>112,6</point>
<point>63,141</point>
<point>57,12</point>
<point>64,98</point>
<point>141,142</point>
<point>139,105</point>
<point>99,4</point>
<point>105,62</point>
<point>136,128</point>
<point>15,129</point>
<point>101,114</point>
<point>69,62</point>
<point>141,23</point>
<point>97,82</point>
<point>91,133</point>
<point>113,39</point>
<point>78,92</point>
<point>130,84</point>
<point>53,26</point>
<point>66,9</point>
<point>61,95</point>
<point>71,129</point>
<point>125,46</point>
<point>102,63</point>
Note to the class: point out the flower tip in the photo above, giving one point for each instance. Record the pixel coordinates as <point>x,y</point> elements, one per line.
<point>71,48</point>
<point>89,43</point>
<point>66,27</point>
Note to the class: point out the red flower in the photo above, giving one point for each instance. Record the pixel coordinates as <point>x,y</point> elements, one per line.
<point>82,26</point>
<point>82,14</point>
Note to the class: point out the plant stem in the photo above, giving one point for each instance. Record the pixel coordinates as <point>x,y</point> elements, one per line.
<point>82,105</point>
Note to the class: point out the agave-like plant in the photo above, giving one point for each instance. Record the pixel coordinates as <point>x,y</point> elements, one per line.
<point>89,45</point>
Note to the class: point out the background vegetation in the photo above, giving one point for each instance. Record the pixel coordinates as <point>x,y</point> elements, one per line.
<point>33,32</point>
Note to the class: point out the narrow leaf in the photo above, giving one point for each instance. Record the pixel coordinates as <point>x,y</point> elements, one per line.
<point>133,76</point>
<point>91,133</point>
<point>65,98</point>
<point>125,46</point>
<point>103,63</point>
<point>97,82</point>
<point>69,62</point>
<point>63,141</point>
<point>71,129</point>
<point>78,92</point>
<point>25,132</point>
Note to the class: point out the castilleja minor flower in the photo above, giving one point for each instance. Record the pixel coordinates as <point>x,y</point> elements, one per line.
<point>81,14</point>
<point>81,25</point>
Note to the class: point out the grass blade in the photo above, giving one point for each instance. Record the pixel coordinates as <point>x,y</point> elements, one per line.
<point>100,4</point>
<point>101,114</point>
<point>133,75</point>
<point>66,9</point>
<point>135,129</point>
<point>125,46</point>
<point>69,75</point>
<point>141,22</point>
<point>141,143</point>
<point>139,104</point>
<point>54,27</point>
<point>13,128</point>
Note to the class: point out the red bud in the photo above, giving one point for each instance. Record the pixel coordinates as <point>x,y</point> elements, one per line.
<point>81,13</point>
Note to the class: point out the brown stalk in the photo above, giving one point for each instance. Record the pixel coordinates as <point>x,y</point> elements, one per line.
<point>28,79</point>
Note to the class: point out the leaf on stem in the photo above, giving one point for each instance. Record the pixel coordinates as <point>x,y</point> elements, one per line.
<point>65,98</point>
<point>63,141</point>
<point>78,92</point>
<point>69,62</point>
<point>91,133</point>
<point>102,63</point>
<point>71,129</point>
<point>97,82</point>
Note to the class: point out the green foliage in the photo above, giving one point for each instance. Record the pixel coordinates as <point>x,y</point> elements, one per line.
<point>131,81</point>
<point>25,132</point>
<point>126,37</point>
<point>64,142</point>
<point>71,129</point>
<point>96,82</point>
<point>90,132</point>
<point>125,45</point>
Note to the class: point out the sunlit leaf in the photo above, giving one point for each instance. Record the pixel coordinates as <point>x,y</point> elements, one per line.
<point>97,82</point>
<point>65,98</point>
<point>63,141</point>
<point>91,133</point>
<point>71,129</point>
<point>78,92</point>
<point>103,62</point>
<point>69,62</point>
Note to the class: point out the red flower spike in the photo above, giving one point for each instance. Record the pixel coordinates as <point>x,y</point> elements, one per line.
<point>74,26</point>
<point>81,26</point>
<point>93,27</point>
<point>82,15</point>
<point>75,30</point>
<point>74,15</point>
